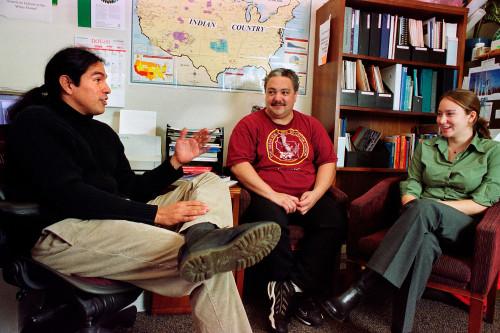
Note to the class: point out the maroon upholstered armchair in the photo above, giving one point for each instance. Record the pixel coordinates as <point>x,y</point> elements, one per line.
<point>475,277</point>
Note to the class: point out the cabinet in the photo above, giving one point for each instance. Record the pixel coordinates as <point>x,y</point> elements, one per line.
<point>327,81</point>
<point>213,158</point>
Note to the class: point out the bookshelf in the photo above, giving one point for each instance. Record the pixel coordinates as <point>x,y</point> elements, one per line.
<point>213,158</point>
<point>326,105</point>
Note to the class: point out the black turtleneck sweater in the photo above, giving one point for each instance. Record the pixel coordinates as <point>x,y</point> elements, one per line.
<point>75,167</point>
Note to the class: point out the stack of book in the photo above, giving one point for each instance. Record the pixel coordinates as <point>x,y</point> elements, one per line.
<point>401,148</point>
<point>195,169</point>
<point>210,156</point>
<point>188,177</point>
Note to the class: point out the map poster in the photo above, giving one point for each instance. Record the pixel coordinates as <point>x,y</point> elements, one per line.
<point>222,44</point>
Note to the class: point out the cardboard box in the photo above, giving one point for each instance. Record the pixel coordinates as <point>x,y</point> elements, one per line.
<point>402,52</point>
<point>348,97</point>
<point>366,99</point>
<point>437,56</point>
<point>420,54</point>
<point>384,101</point>
<point>367,159</point>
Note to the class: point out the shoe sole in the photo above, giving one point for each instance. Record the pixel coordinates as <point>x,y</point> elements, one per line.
<point>244,251</point>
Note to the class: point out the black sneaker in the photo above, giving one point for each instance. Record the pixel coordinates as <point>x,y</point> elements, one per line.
<point>307,311</point>
<point>280,293</point>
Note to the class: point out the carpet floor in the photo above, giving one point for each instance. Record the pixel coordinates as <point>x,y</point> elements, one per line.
<point>437,312</point>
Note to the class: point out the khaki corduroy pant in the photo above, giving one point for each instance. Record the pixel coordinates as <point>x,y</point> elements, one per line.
<point>146,255</point>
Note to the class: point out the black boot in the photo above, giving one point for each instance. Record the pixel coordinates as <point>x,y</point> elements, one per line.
<point>208,251</point>
<point>339,307</point>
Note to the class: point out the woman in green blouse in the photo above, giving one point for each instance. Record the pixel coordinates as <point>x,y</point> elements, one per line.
<point>452,179</point>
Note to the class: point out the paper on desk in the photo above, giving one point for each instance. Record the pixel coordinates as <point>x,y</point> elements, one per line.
<point>137,122</point>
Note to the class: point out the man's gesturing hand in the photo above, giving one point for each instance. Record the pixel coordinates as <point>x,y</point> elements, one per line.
<point>188,149</point>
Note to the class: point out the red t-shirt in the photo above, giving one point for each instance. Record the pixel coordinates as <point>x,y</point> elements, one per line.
<point>286,157</point>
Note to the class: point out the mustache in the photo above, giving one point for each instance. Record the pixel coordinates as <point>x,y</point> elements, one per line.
<point>277,103</point>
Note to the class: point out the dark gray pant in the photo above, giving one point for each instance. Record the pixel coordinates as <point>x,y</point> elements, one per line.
<point>414,243</point>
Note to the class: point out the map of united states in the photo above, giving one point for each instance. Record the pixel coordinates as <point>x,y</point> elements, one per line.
<point>216,34</point>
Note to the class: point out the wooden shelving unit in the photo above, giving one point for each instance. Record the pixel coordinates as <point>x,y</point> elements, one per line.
<point>327,80</point>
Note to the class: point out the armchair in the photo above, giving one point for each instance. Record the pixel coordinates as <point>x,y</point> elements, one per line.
<point>475,277</point>
<point>48,300</point>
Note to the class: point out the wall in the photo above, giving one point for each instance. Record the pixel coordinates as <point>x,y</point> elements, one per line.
<point>26,46</point>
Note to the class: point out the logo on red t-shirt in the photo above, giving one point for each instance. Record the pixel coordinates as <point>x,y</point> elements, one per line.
<point>288,147</point>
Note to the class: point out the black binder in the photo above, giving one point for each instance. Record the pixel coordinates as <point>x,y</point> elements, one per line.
<point>375,28</point>
<point>364,33</point>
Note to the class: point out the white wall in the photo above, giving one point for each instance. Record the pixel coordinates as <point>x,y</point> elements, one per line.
<point>26,46</point>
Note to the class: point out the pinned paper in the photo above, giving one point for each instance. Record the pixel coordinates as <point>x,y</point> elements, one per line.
<point>324,41</point>
<point>137,122</point>
<point>34,10</point>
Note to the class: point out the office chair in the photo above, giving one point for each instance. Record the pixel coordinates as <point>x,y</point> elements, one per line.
<point>48,300</point>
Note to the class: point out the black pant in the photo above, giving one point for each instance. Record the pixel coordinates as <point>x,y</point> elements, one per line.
<point>325,228</point>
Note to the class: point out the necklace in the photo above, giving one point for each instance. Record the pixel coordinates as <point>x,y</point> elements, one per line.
<point>460,148</point>
<point>455,150</point>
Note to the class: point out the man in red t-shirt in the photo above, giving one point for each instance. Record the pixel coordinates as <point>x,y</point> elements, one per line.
<point>287,161</point>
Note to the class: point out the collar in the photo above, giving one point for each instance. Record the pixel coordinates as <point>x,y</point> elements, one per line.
<point>67,112</point>
<point>442,143</point>
<point>280,125</point>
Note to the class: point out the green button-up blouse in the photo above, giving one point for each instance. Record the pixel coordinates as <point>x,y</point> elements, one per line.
<point>473,174</point>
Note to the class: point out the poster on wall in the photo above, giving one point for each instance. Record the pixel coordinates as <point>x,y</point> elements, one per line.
<point>102,14</point>
<point>34,10</point>
<point>210,45</point>
<point>113,52</point>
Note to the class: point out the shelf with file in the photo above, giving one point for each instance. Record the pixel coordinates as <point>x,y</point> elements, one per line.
<point>327,80</point>
<point>383,62</point>
<point>368,73</point>
<point>353,110</point>
<point>212,160</point>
